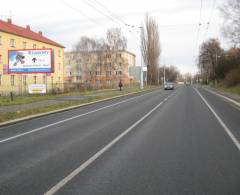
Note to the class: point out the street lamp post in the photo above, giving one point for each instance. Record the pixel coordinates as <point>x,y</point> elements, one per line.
<point>141,76</point>
<point>141,72</point>
<point>217,56</point>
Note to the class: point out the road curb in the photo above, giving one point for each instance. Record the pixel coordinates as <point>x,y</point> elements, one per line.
<point>14,121</point>
<point>223,96</point>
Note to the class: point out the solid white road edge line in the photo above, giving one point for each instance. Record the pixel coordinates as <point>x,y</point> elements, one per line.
<point>69,177</point>
<point>224,97</point>
<point>227,130</point>
<point>68,119</point>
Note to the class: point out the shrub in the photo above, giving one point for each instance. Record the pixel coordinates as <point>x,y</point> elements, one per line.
<point>232,78</point>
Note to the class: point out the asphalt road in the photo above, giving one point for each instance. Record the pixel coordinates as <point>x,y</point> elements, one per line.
<point>160,142</point>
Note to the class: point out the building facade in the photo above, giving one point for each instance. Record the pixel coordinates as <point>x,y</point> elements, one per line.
<point>13,37</point>
<point>100,68</point>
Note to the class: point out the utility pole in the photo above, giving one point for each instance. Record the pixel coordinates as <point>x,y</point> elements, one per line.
<point>164,78</point>
<point>141,76</point>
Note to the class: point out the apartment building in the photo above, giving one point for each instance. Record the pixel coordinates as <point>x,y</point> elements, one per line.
<point>14,37</point>
<point>100,68</point>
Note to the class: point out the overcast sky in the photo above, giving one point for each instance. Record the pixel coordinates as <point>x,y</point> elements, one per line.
<point>65,21</point>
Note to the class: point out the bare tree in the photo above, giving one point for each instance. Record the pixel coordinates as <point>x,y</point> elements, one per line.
<point>150,48</point>
<point>116,42</point>
<point>83,55</point>
<point>171,73</point>
<point>231,14</point>
<point>208,58</point>
<point>97,56</point>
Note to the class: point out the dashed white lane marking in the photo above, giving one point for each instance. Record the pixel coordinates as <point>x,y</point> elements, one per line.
<point>68,119</point>
<point>69,177</point>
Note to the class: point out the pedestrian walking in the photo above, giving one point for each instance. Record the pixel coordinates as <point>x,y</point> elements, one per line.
<point>120,85</point>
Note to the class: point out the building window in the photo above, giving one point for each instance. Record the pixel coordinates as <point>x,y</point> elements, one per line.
<point>0,59</point>
<point>34,46</point>
<point>108,73</point>
<point>108,55</point>
<point>12,43</point>
<point>59,53</point>
<point>24,45</point>
<point>35,79</point>
<point>59,79</point>
<point>59,66</point>
<point>0,79</point>
<point>98,73</point>
<point>12,80</point>
<point>0,40</point>
<point>24,80</point>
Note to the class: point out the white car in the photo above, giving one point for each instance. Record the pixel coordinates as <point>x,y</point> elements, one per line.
<point>168,86</point>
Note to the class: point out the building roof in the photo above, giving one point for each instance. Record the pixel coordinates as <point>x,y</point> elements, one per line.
<point>8,27</point>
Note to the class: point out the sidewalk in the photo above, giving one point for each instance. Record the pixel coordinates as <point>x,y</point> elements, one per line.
<point>24,111</point>
<point>57,100</point>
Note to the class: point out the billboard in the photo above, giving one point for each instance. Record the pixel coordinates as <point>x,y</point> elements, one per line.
<point>30,61</point>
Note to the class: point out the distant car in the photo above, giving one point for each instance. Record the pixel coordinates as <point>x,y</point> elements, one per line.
<point>168,86</point>
<point>187,83</point>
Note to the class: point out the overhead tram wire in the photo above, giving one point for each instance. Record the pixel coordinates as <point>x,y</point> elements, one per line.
<point>199,23</point>
<point>83,14</point>
<point>210,18</point>
<point>199,28</point>
<point>101,12</point>
<point>111,15</point>
<point>111,12</point>
<point>108,16</point>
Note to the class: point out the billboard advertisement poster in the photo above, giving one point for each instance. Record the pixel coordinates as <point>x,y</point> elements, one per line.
<point>37,89</point>
<point>30,61</point>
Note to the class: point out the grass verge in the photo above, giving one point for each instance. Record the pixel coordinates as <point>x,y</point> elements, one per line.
<point>88,99</point>
<point>233,90</point>
<point>26,99</point>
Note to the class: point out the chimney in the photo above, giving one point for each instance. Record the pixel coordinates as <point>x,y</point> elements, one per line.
<point>9,20</point>
<point>28,27</point>
<point>40,33</point>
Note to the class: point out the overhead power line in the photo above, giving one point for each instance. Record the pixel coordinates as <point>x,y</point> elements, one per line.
<point>210,17</point>
<point>199,22</point>
<point>82,13</point>
<point>101,12</point>
<point>110,11</point>
<point>112,16</point>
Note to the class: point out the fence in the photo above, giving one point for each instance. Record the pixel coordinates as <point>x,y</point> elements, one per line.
<point>55,88</point>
